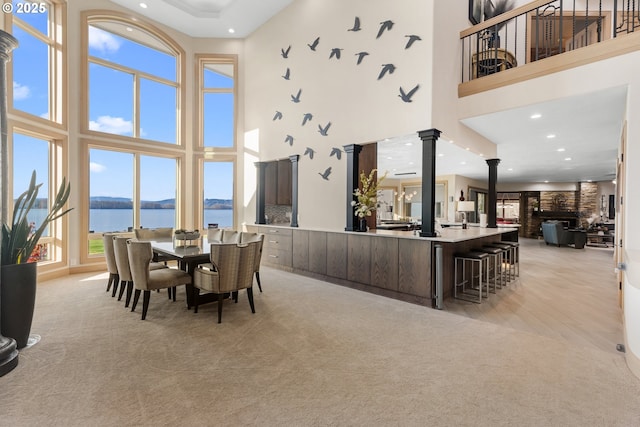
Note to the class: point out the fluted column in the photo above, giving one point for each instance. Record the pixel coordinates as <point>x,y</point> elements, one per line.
<point>429,138</point>
<point>352,152</point>
<point>8,347</point>
<point>260,192</point>
<point>493,195</point>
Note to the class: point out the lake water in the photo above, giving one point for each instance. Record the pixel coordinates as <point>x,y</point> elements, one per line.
<point>102,220</point>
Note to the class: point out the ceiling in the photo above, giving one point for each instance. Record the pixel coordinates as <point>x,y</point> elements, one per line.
<point>587,127</point>
<point>208,18</point>
<point>586,131</point>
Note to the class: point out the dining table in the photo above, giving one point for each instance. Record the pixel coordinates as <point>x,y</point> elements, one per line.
<point>188,254</point>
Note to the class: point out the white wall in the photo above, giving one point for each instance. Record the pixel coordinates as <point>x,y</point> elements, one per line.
<point>360,107</point>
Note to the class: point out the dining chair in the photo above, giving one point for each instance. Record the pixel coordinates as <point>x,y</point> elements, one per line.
<point>246,237</point>
<point>112,268</point>
<point>144,279</point>
<point>231,269</point>
<point>214,235</point>
<point>124,270</point>
<point>161,233</point>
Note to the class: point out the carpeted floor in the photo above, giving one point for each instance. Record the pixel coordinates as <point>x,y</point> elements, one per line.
<point>314,354</point>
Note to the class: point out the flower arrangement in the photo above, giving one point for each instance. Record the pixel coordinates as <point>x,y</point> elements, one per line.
<point>367,194</point>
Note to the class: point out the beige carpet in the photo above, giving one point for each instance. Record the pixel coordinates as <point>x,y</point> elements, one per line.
<point>314,354</point>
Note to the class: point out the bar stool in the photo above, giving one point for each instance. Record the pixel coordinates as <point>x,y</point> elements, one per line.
<point>506,255</point>
<point>495,258</point>
<point>515,260</point>
<point>471,258</point>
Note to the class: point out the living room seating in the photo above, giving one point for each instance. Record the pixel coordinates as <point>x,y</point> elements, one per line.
<point>555,233</point>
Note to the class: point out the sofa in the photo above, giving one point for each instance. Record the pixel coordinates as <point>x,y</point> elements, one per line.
<point>555,233</point>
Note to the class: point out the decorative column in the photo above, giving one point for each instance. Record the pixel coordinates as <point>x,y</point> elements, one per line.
<point>260,192</point>
<point>429,138</point>
<point>8,347</point>
<point>493,195</point>
<point>294,189</point>
<point>352,150</point>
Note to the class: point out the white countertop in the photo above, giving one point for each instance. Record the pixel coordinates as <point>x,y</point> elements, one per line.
<point>448,234</point>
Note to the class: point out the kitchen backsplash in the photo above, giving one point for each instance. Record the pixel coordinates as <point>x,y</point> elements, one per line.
<point>278,214</point>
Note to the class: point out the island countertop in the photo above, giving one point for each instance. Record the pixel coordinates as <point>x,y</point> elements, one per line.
<point>446,234</point>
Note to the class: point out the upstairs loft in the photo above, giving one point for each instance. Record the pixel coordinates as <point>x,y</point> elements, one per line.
<point>544,37</point>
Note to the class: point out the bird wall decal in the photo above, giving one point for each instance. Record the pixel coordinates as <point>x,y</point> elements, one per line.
<point>287,74</point>
<point>309,152</point>
<point>406,97</point>
<point>296,98</point>
<point>289,140</point>
<point>412,39</point>
<point>335,52</point>
<point>307,117</point>
<point>323,130</point>
<point>325,174</point>
<point>384,26</point>
<point>361,56</point>
<point>386,68</point>
<point>336,152</point>
<point>313,45</point>
<point>285,52</point>
<point>356,25</point>
<point>277,116</point>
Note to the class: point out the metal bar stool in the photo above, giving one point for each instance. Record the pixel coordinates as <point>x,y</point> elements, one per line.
<point>471,258</point>
<point>515,257</point>
<point>506,255</point>
<point>494,265</point>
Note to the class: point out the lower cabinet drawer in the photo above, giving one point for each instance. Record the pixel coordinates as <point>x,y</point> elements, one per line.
<point>276,256</point>
<point>278,242</point>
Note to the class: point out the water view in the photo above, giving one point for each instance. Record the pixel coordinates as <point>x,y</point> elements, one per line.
<point>103,220</point>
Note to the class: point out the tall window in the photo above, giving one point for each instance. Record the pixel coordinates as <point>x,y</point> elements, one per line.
<point>36,153</point>
<point>37,62</point>
<point>157,192</point>
<point>133,83</point>
<point>218,101</point>
<point>218,194</point>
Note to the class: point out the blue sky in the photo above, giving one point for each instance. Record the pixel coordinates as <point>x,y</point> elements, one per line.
<point>111,110</point>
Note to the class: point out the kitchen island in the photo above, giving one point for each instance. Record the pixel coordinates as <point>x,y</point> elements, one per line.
<point>392,263</point>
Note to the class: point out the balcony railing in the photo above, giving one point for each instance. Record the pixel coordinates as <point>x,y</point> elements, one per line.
<point>542,29</point>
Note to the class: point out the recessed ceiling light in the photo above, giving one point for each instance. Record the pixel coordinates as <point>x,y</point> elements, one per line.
<point>614,182</point>
<point>409,144</point>
<point>463,163</point>
<point>551,136</point>
<point>589,180</point>
<point>561,149</point>
<point>467,148</point>
<point>389,158</point>
<point>510,169</point>
<point>440,155</point>
<point>546,181</point>
<point>129,29</point>
<point>410,163</point>
<point>567,158</point>
<point>143,5</point>
<point>231,31</point>
<point>536,116</point>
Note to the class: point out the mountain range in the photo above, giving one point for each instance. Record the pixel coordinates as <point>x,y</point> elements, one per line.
<point>100,202</point>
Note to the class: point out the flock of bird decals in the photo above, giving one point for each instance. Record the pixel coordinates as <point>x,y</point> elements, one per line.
<point>336,54</point>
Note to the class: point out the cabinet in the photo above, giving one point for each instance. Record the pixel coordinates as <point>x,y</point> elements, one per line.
<point>278,182</point>
<point>277,246</point>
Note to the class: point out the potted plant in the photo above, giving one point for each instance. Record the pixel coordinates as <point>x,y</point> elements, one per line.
<point>367,195</point>
<point>19,240</point>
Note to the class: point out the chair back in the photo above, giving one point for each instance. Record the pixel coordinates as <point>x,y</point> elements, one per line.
<point>214,235</point>
<point>230,236</point>
<point>234,264</point>
<point>122,257</point>
<point>140,254</point>
<point>109,255</point>
<point>246,237</point>
<point>153,233</point>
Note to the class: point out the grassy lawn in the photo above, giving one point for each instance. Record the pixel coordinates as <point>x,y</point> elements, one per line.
<point>96,247</point>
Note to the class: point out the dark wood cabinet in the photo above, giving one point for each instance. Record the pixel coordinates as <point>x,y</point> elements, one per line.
<point>284,182</point>
<point>278,183</point>
<point>271,183</point>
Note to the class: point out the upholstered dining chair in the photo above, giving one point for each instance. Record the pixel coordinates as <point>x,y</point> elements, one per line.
<point>155,234</point>
<point>144,279</point>
<point>112,268</point>
<point>124,270</point>
<point>246,237</point>
<point>230,270</point>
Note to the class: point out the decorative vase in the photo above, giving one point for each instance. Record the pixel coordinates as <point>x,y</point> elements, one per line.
<point>362,224</point>
<point>17,300</point>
